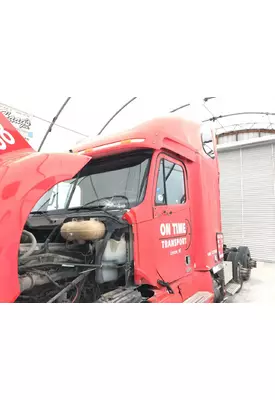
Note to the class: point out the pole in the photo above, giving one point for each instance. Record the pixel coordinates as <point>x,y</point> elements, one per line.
<point>110,120</point>
<point>53,122</point>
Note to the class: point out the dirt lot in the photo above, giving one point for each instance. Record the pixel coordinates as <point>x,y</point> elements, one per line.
<point>261,286</point>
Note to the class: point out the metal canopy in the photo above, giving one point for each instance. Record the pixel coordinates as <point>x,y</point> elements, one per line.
<point>239,115</point>
<point>88,115</point>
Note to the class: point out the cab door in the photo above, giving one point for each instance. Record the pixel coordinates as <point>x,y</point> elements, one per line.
<point>172,220</point>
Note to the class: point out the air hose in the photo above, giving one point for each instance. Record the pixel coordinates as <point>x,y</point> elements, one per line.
<point>32,248</point>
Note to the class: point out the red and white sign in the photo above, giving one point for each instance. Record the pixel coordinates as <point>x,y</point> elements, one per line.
<point>22,121</point>
<point>10,138</point>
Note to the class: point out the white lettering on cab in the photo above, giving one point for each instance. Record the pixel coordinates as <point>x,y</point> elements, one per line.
<point>173,229</point>
<point>178,228</point>
<point>165,229</point>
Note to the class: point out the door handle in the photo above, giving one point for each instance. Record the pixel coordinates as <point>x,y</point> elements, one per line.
<point>167,212</point>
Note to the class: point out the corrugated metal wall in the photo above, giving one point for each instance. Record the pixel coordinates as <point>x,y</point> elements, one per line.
<point>247,187</point>
<point>241,136</point>
<point>231,137</point>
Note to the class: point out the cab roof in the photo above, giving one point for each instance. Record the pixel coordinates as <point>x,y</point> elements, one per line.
<point>172,133</point>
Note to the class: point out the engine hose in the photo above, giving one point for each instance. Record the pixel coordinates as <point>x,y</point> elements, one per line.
<point>32,248</point>
<point>49,238</point>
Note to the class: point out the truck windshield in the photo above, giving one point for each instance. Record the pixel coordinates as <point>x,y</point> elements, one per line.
<point>113,182</point>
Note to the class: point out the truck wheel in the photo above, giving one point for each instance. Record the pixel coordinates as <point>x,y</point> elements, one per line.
<point>243,257</point>
<point>245,273</point>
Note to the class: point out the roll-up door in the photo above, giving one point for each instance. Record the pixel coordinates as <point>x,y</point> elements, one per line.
<point>248,199</point>
<point>231,203</point>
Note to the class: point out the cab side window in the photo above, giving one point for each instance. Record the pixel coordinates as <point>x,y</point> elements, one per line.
<point>171,188</point>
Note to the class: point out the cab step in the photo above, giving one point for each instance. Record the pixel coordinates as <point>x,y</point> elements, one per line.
<point>232,288</point>
<point>200,297</point>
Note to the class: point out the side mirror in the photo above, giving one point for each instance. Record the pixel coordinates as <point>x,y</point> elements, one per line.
<point>207,140</point>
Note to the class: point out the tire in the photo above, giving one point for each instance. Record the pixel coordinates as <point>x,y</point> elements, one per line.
<point>245,273</point>
<point>243,257</point>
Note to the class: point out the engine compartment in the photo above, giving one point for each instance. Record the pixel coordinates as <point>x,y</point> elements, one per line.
<point>76,246</point>
<point>82,259</point>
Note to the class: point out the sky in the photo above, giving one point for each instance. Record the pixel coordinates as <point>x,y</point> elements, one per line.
<point>166,53</point>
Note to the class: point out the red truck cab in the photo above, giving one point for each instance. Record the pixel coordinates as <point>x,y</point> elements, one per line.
<point>177,223</point>
<point>152,192</point>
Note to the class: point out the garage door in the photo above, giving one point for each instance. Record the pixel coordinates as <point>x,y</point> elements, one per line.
<point>248,199</point>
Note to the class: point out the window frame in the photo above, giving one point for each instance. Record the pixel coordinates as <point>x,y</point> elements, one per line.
<point>148,155</point>
<point>176,161</point>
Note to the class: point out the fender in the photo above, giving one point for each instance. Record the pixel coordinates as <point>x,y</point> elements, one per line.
<point>25,176</point>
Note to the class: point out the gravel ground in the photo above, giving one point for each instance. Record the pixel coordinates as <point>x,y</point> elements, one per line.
<point>260,288</point>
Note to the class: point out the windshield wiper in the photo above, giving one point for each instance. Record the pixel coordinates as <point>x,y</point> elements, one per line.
<point>102,207</point>
<point>87,207</point>
<point>111,198</point>
<point>45,203</point>
<point>44,213</point>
